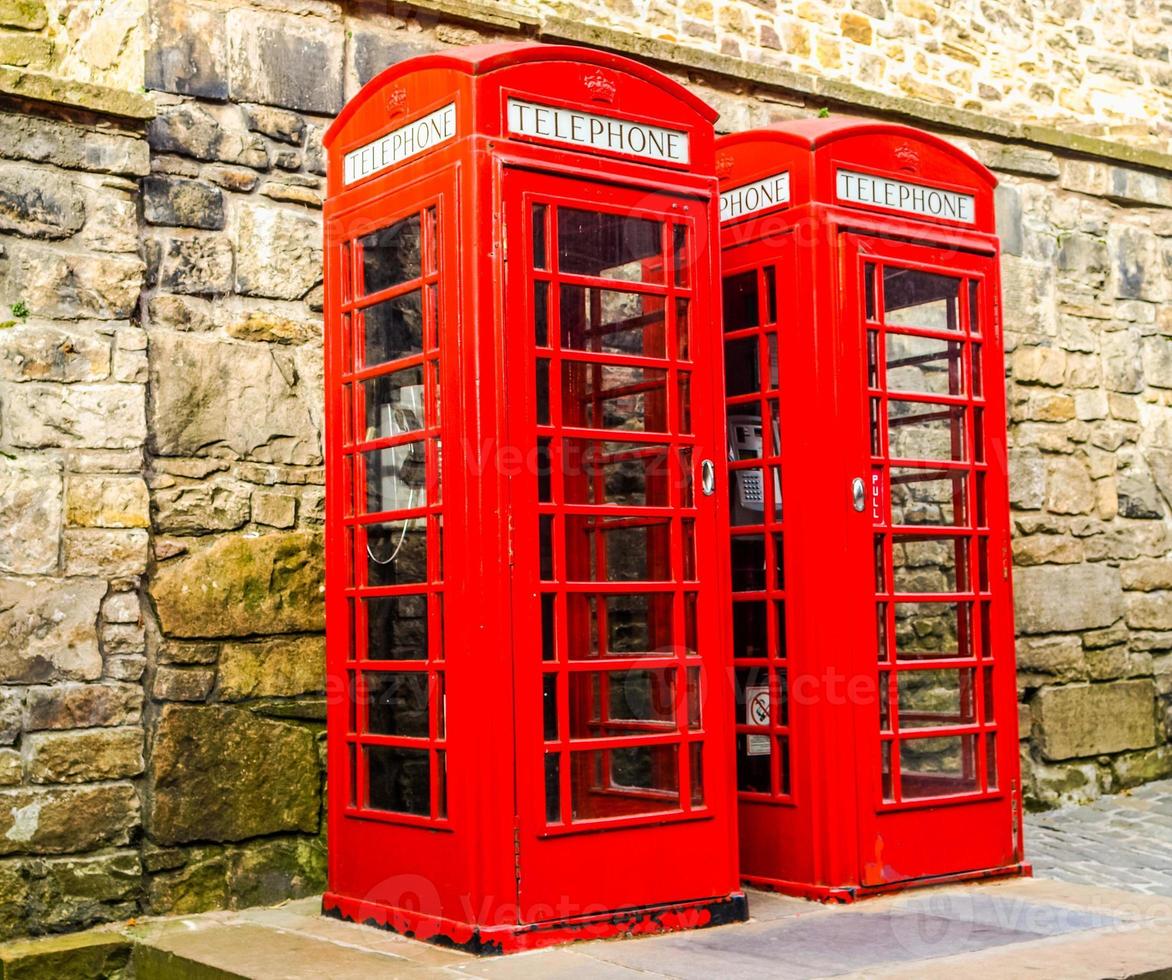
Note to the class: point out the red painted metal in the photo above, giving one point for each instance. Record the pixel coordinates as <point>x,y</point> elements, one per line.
<point>877,716</point>
<point>530,734</point>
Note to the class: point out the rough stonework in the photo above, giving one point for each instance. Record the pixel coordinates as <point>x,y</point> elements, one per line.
<point>161,487</point>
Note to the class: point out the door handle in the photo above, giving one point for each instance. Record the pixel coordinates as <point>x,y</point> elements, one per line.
<point>858,494</point>
<point>707,477</point>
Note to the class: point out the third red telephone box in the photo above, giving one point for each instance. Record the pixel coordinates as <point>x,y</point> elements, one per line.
<point>877,739</point>
<point>531,739</point>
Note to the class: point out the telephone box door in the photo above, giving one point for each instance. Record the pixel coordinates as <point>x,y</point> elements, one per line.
<point>621,628</point>
<point>921,333</point>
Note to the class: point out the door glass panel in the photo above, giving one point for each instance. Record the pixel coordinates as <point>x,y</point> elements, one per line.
<point>742,371</point>
<point>632,474</point>
<point>396,477</point>
<point>741,307</point>
<point>935,564</point>
<point>936,698</point>
<point>914,298</point>
<point>928,497</point>
<point>396,627</point>
<point>611,246</point>
<point>397,703</point>
<point>609,396</point>
<point>933,630</point>
<point>618,549</point>
<point>399,779</point>
<point>626,781</point>
<point>613,322</point>
<point>394,403</point>
<point>396,552</point>
<point>925,431</point>
<point>621,625</point>
<point>938,766</point>
<point>392,255</point>
<point>927,365</point>
<point>614,703</point>
<point>393,328</point>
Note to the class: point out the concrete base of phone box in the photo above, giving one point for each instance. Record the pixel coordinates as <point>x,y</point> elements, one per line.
<point>844,895</point>
<point>513,938</point>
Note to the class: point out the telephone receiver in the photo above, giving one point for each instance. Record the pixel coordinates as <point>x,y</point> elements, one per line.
<point>402,466</point>
<point>744,442</point>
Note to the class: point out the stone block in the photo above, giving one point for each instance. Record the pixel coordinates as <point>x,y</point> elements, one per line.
<point>1039,365</point>
<point>89,955</point>
<point>69,285</point>
<point>1007,205</point>
<point>221,773</point>
<point>278,252</point>
<point>277,124</point>
<point>43,204</point>
<point>281,668</point>
<point>83,756</point>
<point>1067,598</point>
<point>29,137</point>
<point>291,62</point>
<point>1137,187</point>
<point>1066,785</point>
<point>1147,575</point>
<point>1030,298</point>
<point>1122,362</point>
<point>182,683</point>
<point>64,706</point>
<point>1139,271</point>
<point>1080,720</point>
<point>27,15</point>
<point>243,586</point>
<point>62,820</point>
<point>201,507</point>
<point>11,709</point>
<point>263,325</point>
<point>48,630</point>
<point>34,352</point>
<point>1027,479</point>
<point>123,638</point>
<point>95,500</point>
<point>189,50</point>
<point>201,265</point>
<point>1138,496</point>
<point>11,767</point>
<point>1069,489</point>
<point>191,131</point>
<point>1149,610</point>
<point>30,516</point>
<point>274,509</point>
<point>1157,361</point>
<point>40,416</point>
<point>178,201</point>
<point>75,892</point>
<point>181,313</point>
<point>126,667</point>
<point>231,399</point>
<point>1042,549</point>
<point>373,51</point>
<point>106,553</point>
<point>1055,656</point>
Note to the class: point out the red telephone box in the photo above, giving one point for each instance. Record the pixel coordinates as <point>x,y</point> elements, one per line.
<point>532,738</point>
<point>872,614</point>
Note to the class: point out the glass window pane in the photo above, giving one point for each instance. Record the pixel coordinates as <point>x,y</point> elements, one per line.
<point>754,759</point>
<point>612,246</point>
<point>926,365</point>
<point>396,477</point>
<point>930,497</point>
<point>539,256</point>
<point>611,704</point>
<point>929,564</point>
<point>740,301</point>
<point>936,698</point>
<point>913,298</point>
<point>399,779</point>
<point>397,703</point>
<point>933,630</point>
<point>622,782</point>
<point>613,322</point>
<point>396,627</point>
<point>391,256</point>
<point>938,766</point>
<point>742,371</point>
<point>549,706</point>
<point>750,630</point>
<point>626,625</point>
<point>553,788</point>
<point>396,552</point>
<point>616,473</point>
<point>618,549</point>
<point>925,431</point>
<point>394,404</point>
<point>748,563</point>
<point>609,396</point>
<point>393,328</point>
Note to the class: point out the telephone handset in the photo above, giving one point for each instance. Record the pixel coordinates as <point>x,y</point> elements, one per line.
<point>401,472</point>
<point>744,442</point>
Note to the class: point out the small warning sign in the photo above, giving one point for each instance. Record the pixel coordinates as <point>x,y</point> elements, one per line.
<point>757,713</point>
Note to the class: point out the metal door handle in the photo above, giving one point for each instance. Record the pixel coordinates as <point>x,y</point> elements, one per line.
<point>859,493</point>
<point>707,477</point>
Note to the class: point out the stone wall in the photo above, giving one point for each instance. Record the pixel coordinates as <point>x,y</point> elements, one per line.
<point>161,499</point>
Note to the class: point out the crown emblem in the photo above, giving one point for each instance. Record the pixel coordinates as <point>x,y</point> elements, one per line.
<point>396,101</point>
<point>908,157</point>
<point>600,87</point>
<point>724,165</point>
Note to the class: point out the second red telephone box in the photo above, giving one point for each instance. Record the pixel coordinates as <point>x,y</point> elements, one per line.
<point>532,739</point>
<point>873,623</point>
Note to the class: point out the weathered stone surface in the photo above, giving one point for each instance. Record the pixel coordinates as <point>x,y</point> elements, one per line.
<point>1066,598</point>
<point>107,501</point>
<point>223,774</point>
<point>1157,361</point>
<point>292,62</point>
<point>191,131</point>
<point>30,517</point>
<point>1139,272</point>
<point>48,630</point>
<point>274,509</point>
<point>43,353</point>
<point>1147,575</point>
<point>1069,489</point>
<point>106,553</point>
<point>122,638</point>
<point>1149,610</point>
<point>25,137</point>
<point>279,253</point>
<point>1122,364</point>
<point>229,399</point>
<point>84,756</point>
<point>278,124</point>
<point>1007,205</point>
<point>199,265</point>
<point>182,684</point>
<point>273,328</point>
<point>179,201</point>
<point>74,416</point>
<point>73,957</point>
<point>28,15</point>
<point>40,205</point>
<point>181,312</point>
<point>189,55</point>
<point>1039,365</point>
<point>243,586</point>
<point>73,892</point>
<point>64,820</point>
<point>63,706</point>
<point>1057,656</point>
<point>1138,496</point>
<point>1079,720</point>
<point>11,708</point>
<point>11,767</point>
<point>201,507</point>
<point>284,667</point>
<point>70,285</point>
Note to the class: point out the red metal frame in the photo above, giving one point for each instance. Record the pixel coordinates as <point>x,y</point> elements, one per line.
<point>478,573</point>
<point>847,706</point>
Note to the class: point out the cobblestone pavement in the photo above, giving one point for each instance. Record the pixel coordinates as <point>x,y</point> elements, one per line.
<point>1121,841</point>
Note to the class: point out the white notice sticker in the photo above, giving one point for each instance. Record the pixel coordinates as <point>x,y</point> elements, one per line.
<point>579,128</point>
<point>757,713</point>
<point>400,144</point>
<point>898,195</point>
<point>757,196</point>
